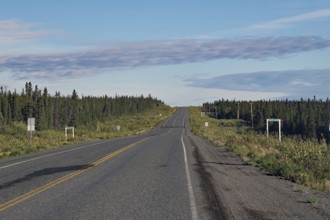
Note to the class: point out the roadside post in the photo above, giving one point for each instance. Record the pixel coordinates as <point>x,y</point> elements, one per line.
<point>279,127</point>
<point>206,126</point>
<point>66,132</point>
<point>31,127</point>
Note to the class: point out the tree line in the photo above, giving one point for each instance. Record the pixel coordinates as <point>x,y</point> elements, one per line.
<point>308,118</point>
<point>58,111</point>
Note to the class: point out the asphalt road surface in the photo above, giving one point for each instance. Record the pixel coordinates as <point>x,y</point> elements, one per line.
<point>166,173</point>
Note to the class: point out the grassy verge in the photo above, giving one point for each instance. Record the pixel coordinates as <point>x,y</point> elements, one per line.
<point>14,139</point>
<point>304,162</point>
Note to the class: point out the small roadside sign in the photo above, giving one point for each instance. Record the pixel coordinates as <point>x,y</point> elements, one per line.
<point>31,124</point>
<point>31,127</point>
<point>206,124</point>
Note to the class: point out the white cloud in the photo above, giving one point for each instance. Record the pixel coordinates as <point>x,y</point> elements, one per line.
<point>15,31</point>
<point>300,83</point>
<point>288,21</point>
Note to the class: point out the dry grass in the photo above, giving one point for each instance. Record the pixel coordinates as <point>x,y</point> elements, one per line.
<point>305,162</point>
<point>14,139</point>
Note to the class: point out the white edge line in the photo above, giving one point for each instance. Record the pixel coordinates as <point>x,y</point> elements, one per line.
<point>190,188</point>
<point>48,155</point>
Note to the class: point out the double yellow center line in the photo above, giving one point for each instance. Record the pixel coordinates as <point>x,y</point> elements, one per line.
<point>53,183</point>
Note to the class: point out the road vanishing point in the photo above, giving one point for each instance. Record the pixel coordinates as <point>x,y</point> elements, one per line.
<point>166,173</point>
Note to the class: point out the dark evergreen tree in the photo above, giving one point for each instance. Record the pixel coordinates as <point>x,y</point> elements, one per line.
<point>58,111</point>
<point>308,118</point>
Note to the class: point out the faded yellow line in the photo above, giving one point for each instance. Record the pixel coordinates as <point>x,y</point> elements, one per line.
<point>53,183</point>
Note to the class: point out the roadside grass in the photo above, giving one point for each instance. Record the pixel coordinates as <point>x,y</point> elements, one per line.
<point>301,161</point>
<point>14,139</point>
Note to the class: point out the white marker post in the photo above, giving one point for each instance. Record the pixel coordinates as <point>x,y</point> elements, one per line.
<point>279,127</point>
<point>66,132</point>
<point>206,126</point>
<point>31,127</point>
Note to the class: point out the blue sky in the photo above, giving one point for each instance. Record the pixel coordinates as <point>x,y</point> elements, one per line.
<point>183,52</point>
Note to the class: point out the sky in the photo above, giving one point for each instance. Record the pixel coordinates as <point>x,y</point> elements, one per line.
<point>184,52</point>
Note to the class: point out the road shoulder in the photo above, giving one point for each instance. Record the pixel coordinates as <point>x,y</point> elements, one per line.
<point>243,191</point>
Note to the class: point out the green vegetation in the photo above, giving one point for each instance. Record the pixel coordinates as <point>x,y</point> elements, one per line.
<point>304,161</point>
<point>56,112</point>
<point>312,200</point>
<point>308,119</point>
<point>92,117</point>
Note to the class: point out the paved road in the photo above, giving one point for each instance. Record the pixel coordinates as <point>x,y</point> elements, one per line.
<point>164,174</point>
<point>140,177</point>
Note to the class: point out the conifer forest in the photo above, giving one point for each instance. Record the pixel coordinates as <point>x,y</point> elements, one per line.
<point>57,111</point>
<point>307,118</point>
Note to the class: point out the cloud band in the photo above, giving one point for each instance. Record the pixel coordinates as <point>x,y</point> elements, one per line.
<point>132,55</point>
<point>297,83</point>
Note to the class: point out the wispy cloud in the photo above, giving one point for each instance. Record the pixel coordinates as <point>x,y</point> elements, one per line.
<point>288,21</point>
<point>132,55</point>
<point>15,31</point>
<point>296,83</point>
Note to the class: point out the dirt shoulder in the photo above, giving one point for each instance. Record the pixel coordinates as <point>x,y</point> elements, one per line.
<point>243,191</point>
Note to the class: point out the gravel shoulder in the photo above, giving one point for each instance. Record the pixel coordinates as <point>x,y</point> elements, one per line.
<point>242,191</point>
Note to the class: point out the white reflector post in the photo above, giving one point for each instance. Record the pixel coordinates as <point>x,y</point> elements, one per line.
<point>31,127</point>
<point>66,132</point>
